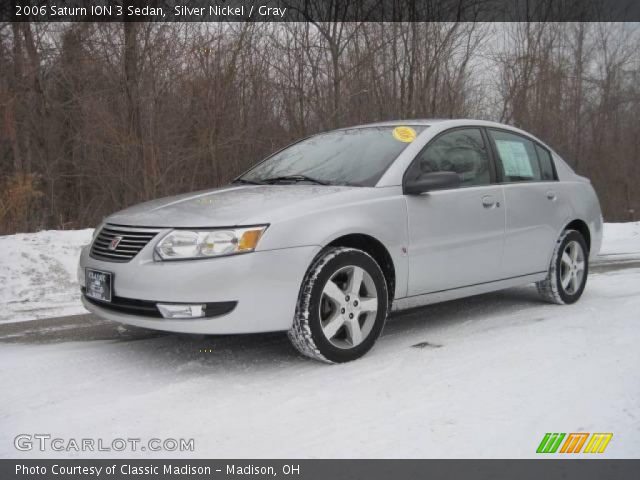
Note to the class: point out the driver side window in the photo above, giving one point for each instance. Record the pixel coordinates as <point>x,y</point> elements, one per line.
<point>462,151</point>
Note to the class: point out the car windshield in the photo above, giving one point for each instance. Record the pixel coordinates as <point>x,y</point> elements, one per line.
<point>355,156</point>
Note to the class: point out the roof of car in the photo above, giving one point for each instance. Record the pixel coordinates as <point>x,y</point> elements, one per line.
<point>450,122</point>
<point>413,121</point>
<point>454,122</point>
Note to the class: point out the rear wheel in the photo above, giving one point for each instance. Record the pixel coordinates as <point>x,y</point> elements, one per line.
<point>568,271</point>
<point>342,306</point>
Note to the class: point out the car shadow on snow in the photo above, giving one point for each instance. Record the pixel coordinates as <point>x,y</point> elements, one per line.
<point>476,308</point>
<point>415,326</point>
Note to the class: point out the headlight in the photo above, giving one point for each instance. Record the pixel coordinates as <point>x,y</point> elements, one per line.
<point>182,244</point>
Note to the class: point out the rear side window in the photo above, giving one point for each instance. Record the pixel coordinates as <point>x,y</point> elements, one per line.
<point>518,157</point>
<point>546,163</point>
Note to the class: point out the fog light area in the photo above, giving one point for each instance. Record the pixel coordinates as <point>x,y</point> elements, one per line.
<point>181,310</point>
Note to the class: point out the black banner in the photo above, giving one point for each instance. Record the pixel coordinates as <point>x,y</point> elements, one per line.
<point>319,10</point>
<point>320,469</point>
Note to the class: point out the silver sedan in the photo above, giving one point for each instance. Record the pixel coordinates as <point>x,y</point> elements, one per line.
<point>325,237</point>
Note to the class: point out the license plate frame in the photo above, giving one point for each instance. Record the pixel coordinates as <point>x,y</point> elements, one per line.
<point>98,284</point>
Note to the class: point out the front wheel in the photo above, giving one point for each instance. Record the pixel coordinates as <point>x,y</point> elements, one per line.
<point>342,306</point>
<point>568,271</point>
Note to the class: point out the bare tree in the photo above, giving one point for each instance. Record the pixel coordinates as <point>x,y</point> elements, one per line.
<point>95,117</point>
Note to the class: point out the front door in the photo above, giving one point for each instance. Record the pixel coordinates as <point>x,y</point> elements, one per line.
<point>456,235</point>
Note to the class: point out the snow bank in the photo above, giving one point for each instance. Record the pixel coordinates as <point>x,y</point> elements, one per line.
<point>38,270</point>
<point>38,274</point>
<point>621,241</point>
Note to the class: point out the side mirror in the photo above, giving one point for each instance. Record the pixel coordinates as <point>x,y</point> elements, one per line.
<point>432,181</point>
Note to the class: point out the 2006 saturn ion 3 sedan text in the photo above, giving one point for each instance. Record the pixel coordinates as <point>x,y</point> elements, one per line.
<point>323,238</point>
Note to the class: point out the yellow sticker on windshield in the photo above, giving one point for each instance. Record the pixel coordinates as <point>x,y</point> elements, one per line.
<point>404,134</point>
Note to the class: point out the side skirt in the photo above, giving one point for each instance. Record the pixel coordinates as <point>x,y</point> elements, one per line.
<point>452,294</point>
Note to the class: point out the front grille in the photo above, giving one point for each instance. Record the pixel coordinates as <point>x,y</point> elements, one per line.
<point>132,241</point>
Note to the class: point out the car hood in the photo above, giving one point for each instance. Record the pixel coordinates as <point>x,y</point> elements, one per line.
<point>227,206</point>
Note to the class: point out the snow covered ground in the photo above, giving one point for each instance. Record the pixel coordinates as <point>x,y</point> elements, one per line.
<point>486,376</point>
<point>38,274</point>
<point>38,270</point>
<point>621,242</point>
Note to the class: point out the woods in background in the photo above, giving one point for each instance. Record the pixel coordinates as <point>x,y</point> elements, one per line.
<point>98,116</point>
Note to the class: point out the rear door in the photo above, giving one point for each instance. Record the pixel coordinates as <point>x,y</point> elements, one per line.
<point>535,207</point>
<point>455,235</point>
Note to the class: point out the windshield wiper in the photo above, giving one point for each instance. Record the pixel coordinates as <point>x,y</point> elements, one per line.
<point>294,178</point>
<point>247,182</point>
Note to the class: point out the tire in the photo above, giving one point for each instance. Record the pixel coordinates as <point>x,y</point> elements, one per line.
<point>568,270</point>
<point>331,310</point>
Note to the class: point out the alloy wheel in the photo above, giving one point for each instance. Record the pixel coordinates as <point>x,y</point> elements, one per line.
<point>572,267</point>
<point>348,307</point>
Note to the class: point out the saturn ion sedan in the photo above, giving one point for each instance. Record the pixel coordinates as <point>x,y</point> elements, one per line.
<point>325,237</point>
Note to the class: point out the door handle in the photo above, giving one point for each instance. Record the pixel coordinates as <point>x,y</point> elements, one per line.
<point>489,201</point>
<point>551,195</point>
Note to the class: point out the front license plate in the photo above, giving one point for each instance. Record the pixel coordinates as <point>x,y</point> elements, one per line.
<point>98,284</point>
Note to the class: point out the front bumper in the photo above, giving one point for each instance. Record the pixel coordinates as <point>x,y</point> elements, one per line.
<point>264,286</point>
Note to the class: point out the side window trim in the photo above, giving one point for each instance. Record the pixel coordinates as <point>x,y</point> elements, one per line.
<point>498,162</point>
<point>495,175</point>
<point>485,139</point>
<point>553,163</point>
<point>494,157</point>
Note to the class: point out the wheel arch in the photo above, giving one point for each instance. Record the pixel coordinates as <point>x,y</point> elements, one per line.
<point>376,249</point>
<point>582,227</point>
